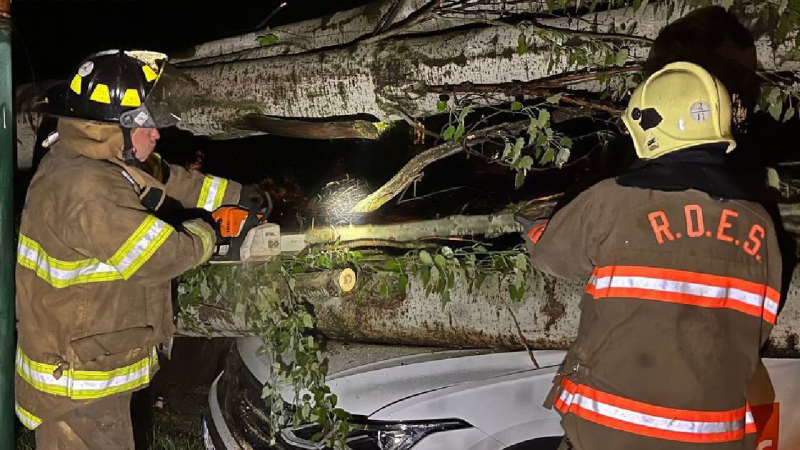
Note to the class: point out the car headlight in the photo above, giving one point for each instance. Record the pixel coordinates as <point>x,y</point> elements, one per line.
<point>369,435</point>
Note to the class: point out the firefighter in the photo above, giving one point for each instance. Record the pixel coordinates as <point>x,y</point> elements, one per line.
<point>684,275</point>
<point>105,228</point>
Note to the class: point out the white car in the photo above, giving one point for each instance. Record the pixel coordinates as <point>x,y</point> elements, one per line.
<point>422,398</point>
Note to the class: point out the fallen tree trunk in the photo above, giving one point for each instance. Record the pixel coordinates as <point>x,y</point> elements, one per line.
<point>548,315</point>
<point>378,311</point>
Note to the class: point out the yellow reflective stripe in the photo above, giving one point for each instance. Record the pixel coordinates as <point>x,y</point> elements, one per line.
<point>204,236</point>
<point>75,85</point>
<point>131,98</point>
<point>149,74</point>
<point>212,193</point>
<point>101,94</point>
<point>61,274</point>
<point>223,186</point>
<point>85,384</point>
<point>29,420</point>
<point>138,249</point>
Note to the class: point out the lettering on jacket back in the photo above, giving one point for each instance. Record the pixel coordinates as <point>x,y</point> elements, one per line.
<point>696,223</point>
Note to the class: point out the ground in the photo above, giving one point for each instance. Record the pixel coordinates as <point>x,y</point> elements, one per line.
<point>183,383</point>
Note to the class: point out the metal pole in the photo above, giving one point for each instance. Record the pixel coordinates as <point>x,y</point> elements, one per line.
<point>7,246</point>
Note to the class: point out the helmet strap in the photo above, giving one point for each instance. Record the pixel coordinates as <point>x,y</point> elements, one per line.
<point>128,149</point>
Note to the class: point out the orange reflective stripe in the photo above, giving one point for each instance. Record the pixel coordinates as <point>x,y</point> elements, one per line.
<point>683,287</point>
<point>653,421</point>
<point>535,233</point>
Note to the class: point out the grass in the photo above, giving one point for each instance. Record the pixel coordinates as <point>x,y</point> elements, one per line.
<point>164,440</point>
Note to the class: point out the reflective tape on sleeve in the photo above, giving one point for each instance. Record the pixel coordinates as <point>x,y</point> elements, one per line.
<point>212,193</point>
<point>138,249</point>
<point>85,384</point>
<point>205,236</point>
<point>29,420</point>
<point>684,287</point>
<point>653,421</point>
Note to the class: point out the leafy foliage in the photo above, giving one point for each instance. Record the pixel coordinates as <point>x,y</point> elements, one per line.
<point>271,310</point>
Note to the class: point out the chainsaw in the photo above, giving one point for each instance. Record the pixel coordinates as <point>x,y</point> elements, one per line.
<point>245,235</point>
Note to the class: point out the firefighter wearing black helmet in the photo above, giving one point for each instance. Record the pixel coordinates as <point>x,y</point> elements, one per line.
<point>97,250</point>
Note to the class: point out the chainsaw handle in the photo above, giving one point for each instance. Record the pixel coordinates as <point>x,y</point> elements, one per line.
<point>267,204</point>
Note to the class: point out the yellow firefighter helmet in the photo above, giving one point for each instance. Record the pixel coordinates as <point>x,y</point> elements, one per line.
<point>677,107</point>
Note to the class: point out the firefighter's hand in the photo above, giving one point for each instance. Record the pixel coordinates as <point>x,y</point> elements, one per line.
<point>526,223</point>
<point>256,199</point>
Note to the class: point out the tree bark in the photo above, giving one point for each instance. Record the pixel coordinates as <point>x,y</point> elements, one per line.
<point>548,315</point>
<point>338,67</point>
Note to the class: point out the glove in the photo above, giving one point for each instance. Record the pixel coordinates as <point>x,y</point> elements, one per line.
<point>526,223</point>
<point>253,198</point>
<point>531,229</point>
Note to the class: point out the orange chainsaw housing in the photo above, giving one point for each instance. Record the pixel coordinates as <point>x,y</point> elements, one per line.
<point>231,220</point>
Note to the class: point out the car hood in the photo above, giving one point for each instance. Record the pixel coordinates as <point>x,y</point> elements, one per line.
<point>368,377</point>
<point>367,390</point>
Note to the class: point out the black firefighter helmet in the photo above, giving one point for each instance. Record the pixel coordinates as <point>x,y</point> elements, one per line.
<point>133,89</point>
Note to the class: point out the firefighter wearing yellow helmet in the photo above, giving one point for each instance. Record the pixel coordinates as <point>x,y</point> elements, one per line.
<point>106,225</point>
<point>679,106</point>
<point>683,278</point>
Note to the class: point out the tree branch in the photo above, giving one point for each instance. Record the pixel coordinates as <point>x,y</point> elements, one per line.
<point>411,170</point>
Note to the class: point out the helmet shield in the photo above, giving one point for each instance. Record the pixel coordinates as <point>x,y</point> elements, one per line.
<point>161,108</point>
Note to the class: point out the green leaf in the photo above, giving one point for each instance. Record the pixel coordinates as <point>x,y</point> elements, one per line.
<point>773,94</point>
<point>622,57</point>
<point>521,262</point>
<point>554,99</point>
<point>425,257</point>
<point>637,4</point>
<point>525,163</point>
<point>562,157</point>
<point>516,106</point>
<point>426,275</point>
<point>790,111</point>
<point>445,293</point>
<point>268,39</point>
<point>393,266</point>
<point>441,106</point>
<point>308,321</point>
<point>402,283</point>
<point>384,290</point>
<point>479,280</point>
<point>544,118</point>
<point>548,157</point>
<point>464,113</point>
<point>459,131</point>
<point>507,150</point>
<point>519,180</point>
<point>512,292</point>
<point>566,142</point>
<point>449,132</point>
<point>551,5</point>
<point>439,261</point>
<point>522,44</point>
<point>517,150</point>
<point>775,110</point>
